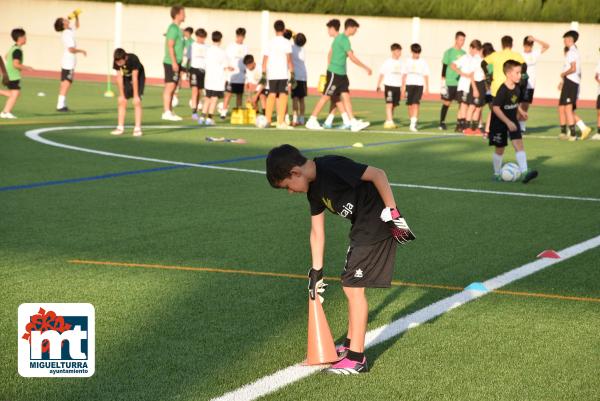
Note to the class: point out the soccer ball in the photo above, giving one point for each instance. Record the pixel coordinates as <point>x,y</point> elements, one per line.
<point>174,101</point>
<point>510,172</point>
<point>261,121</point>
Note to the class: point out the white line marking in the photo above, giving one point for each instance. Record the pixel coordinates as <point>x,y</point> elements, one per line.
<point>291,374</point>
<point>36,135</point>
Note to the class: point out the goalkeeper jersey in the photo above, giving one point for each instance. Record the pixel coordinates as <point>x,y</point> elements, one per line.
<point>338,187</point>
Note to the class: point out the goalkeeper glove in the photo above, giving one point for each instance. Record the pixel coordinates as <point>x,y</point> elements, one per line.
<point>263,79</point>
<point>316,284</point>
<point>397,224</point>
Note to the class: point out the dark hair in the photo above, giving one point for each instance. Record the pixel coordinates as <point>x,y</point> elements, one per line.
<point>279,26</point>
<point>566,49</point>
<point>240,32</point>
<point>59,25</point>
<point>189,30</point>
<point>415,48</point>
<point>350,23</point>
<point>527,42</point>
<point>248,59</point>
<point>573,34</point>
<point>17,33</point>
<point>288,34</point>
<point>280,162</point>
<point>201,32</point>
<point>216,36</point>
<point>506,41</point>
<point>175,10</point>
<point>334,23</point>
<point>119,54</point>
<point>300,39</point>
<point>459,33</point>
<point>395,46</point>
<point>488,49</point>
<point>476,44</point>
<point>509,65</point>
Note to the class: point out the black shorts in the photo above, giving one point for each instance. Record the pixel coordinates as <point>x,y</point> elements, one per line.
<point>170,75</point>
<point>264,92</point>
<point>300,91</point>
<point>451,94</point>
<point>598,102</point>
<point>481,99</point>
<point>462,96</point>
<point>67,75</point>
<point>278,86</point>
<point>197,78</point>
<point>14,85</point>
<point>212,93</point>
<point>568,93</point>
<point>526,95</point>
<point>370,266</point>
<point>336,84</point>
<point>234,88</point>
<point>414,93</point>
<point>392,95</point>
<point>128,87</point>
<point>489,98</point>
<point>499,138</point>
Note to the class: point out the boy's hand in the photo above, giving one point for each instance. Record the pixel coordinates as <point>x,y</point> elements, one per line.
<point>263,79</point>
<point>398,227</point>
<point>315,283</point>
<point>511,126</point>
<point>293,82</point>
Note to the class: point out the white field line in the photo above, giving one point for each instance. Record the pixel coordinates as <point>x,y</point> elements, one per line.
<point>36,135</point>
<point>291,374</point>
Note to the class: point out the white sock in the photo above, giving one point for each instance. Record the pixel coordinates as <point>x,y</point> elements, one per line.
<point>523,125</point>
<point>120,127</point>
<point>329,119</point>
<point>345,119</point>
<point>62,102</point>
<point>295,118</point>
<point>581,125</point>
<point>497,162</point>
<point>522,160</point>
<point>413,121</point>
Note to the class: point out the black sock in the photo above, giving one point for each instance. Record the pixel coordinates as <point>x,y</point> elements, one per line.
<point>356,356</point>
<point>598,130</point>
<point>210,116</point>
<point>572,129</point>
<point>474,124</point>
<point>204,115</point>
<point>563,129</point>
<point>462,123</point>
<point>194,111</point>
<point>347,342</point>
<point>443,113</point>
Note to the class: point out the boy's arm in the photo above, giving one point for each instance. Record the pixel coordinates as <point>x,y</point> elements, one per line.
<point>426,77</point>
<point>356,61</point>
<point>545,46</point>
<point>404,84</point>
<point>380,180</point>
<point>329,57</point>
<point>379,82</point>
<point>171,46</point>
<point>317,240</point>
<point>598,77</point>
<point>500,114</point>
<point>571,70</point>
<point>21,67</point>
<point>3,72</point>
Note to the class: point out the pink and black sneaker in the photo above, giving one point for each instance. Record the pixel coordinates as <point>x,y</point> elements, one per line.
<point>347,366</point>
<point>342,351</point>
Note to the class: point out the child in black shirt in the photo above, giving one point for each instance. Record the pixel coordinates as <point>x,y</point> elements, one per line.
<point>361,194</point>
<point>130,81</point>
<point>505,123</point>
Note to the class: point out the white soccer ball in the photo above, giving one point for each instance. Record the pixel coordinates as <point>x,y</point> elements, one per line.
<point>510,172</point>
<point>261,121</point>
<point>174,101</point>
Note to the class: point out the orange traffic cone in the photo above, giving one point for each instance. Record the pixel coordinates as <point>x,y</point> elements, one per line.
<point>321,348</point>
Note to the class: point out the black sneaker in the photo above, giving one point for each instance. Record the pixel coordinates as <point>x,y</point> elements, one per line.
<point>63,109</point>
<point>443,127</point>
<point>458,128</point>
<point>529,175</point>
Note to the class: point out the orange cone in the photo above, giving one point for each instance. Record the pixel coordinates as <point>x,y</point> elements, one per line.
<point>321,348</point>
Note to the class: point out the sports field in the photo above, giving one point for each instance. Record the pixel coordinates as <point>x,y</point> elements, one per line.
<point>183,311</point>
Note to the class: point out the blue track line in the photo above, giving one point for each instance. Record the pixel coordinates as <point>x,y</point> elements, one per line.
<point>213,162</point>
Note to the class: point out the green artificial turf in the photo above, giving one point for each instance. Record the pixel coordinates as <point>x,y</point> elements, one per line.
<point>192,335</point>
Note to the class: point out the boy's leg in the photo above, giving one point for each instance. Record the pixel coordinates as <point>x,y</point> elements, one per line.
<point>347,102</point>
<point>389,112</point>
<point>322,101</point>
<point>585,130</point>
<point>168,96</point>
<point>195,95</point>
<point>238,100</point>
<point>121,110</point>
<point>302,108</point>
<point>282,104</point>
<point>62,94</point>
<point>295,107</point>
<point>137,105</point>
<point>271,99</point>
<point>520,154</point>
<point>358,313</point>
<point>497,160</point>
<point>227,97</point>
<point>11,101</point>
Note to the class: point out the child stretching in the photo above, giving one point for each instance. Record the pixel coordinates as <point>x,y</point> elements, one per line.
<point>361,194</point>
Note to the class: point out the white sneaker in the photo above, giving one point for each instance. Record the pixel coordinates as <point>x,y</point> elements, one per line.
<point>596,137</point>
<point>201,120</point>
<point>117,131</point>
<point>359,125</point>
<point>284,126</point>
<point>413,128</point>
<point>8,116</point>
<point>344,127</point>
<point>169,116</point>
<point>287,119</point>
<point>209,121</point>
<point>312,123</point>
<point>137,131</point>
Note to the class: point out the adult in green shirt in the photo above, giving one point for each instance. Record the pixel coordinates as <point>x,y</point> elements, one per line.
<point>450,77</point>
<point>11,72</point>
<point>174,44</point>
<point>337,84</point>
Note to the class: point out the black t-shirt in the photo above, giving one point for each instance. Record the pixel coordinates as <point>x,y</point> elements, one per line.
<point>18,55</point>
<point>132,63</point>
<point>338,187</point>
<point>508,101</point>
